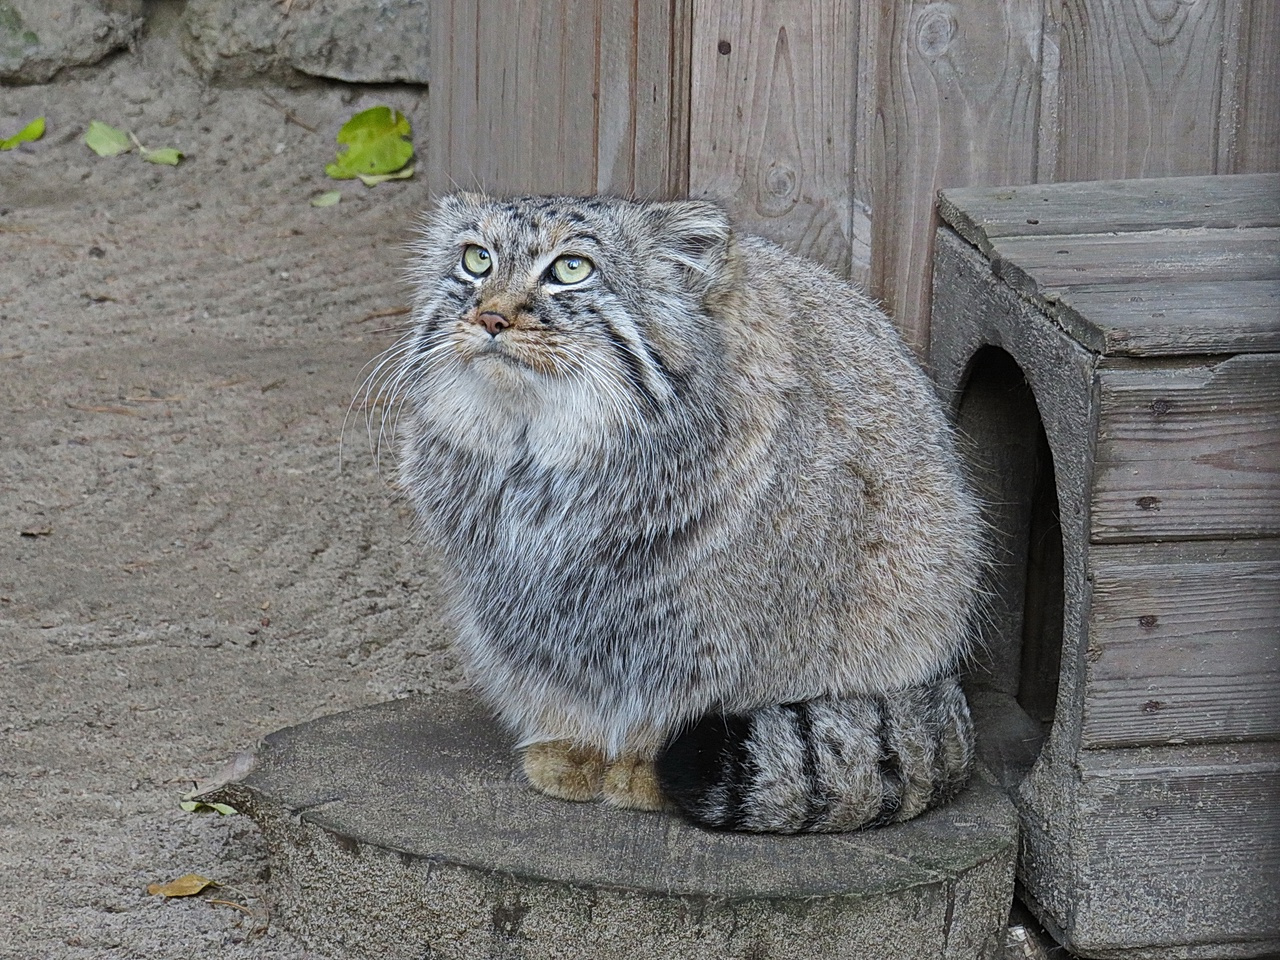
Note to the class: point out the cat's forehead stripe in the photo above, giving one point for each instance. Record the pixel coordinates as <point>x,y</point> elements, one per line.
<point>557,229</point>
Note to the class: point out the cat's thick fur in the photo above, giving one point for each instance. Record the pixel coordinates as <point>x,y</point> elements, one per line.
<point>700,508</point>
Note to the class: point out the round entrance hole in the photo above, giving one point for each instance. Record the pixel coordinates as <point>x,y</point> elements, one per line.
<point>1013,679</point>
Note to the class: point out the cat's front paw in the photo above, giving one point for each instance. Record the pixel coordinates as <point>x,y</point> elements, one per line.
<point>563,769</point>
<point>632,782</point>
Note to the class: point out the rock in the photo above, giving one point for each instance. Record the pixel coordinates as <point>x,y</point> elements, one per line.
<point>359,41</point>
<point>403,830</point>
<point>40,37</point>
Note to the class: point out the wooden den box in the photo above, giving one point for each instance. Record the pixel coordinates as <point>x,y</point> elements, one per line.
<point>1112,353</point>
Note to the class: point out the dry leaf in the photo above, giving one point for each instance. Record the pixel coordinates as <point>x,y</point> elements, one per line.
<point>186,885</point>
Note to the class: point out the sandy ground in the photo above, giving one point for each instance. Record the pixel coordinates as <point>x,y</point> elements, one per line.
<point>183,566</point>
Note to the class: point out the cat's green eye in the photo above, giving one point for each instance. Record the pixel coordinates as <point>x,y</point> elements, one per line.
<point>476,260</point>
<point>571,269</point>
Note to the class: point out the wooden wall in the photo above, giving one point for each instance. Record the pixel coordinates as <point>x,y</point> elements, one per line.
<point>830,125</point>
<point>566,96</point>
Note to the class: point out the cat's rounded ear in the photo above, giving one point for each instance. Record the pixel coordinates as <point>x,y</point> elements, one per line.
<point>695,235</point>
<point>452,204</point>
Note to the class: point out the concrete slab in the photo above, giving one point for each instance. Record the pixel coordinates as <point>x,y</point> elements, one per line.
<point>403,830</point>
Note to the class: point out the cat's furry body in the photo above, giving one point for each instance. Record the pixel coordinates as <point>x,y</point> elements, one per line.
<point>706,480</point>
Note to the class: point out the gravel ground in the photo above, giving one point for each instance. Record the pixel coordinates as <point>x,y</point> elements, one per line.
<point>184,566</point>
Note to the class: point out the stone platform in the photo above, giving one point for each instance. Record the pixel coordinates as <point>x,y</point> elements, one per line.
<point>403,830</point>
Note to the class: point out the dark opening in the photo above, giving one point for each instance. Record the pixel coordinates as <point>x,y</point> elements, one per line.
<point>1013,681</point>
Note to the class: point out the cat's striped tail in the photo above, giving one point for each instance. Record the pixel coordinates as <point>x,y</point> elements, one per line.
<point>823,765</point>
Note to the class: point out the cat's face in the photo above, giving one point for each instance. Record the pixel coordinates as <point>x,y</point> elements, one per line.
<point>578,308</point>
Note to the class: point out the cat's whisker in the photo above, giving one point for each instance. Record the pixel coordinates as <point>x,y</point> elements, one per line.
<point>362,394</point>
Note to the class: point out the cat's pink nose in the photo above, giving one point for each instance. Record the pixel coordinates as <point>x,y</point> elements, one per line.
<point>495,323</point>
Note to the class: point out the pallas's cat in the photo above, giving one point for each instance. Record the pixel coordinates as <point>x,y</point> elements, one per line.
<point>705,526</point>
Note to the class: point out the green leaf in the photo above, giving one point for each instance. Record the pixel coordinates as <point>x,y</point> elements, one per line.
<point>326,199</point>
<point>372,143</point>
<point>32,131</point>
<point>373,180</point>
<point>166,155</point>
<point>106,141</point>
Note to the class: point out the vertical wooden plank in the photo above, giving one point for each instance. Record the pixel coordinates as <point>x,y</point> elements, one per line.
<point>772,106</point>
<point>1140,87</point>
<point>618,79</point>
<point>950,96</point>
<point>644,98</point>
<point>570,96</point>
<point>1254,124</point>
<point>680,103</point>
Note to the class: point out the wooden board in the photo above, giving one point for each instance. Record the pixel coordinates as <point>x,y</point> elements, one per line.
<point>1252,117</point>
<point>772,109</point>
<point>1162,318</point>
<point>1183,644</point>
<point>1139,87</point>
<point>948,94</point>
<point>984,214</point>
<point>1188,451</point>
<point>1031,264</point>
<point>1178,846</point>
<point>574,96</point>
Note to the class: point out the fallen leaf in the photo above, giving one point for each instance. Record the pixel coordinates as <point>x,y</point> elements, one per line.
<point>105,140</point>
<point>372,180</point>
<point>326,199</point>
<point>372,143</point>
<point>165,155</point>
<point>32,131</point>
<point>196,806</point>
<point>187,885</point>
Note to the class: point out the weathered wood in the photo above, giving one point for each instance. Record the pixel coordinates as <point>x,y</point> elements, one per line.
<point>772,107</point>
<point>1170,319</point>
<point>948,94</point>
<point>1182,644</point>
<point>1207,868</point>
<point>1140,86</point>
<point>1030,264</point>
<point>984,214</point>
<point>643,127</point>
<point>979,317</point>
<point>1190,451</point>
<point>1252,117</point>
<point>1160,775</point>
<point>575,96</point>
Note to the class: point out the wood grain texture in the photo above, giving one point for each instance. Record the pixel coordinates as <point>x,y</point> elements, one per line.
<point>574,96</point>
<point>984,214</point>
<point>1159,318</point>
<point>1032,264</point>
<point>1178,846</point>
<point>948,95</point>
<point>772,108</point>
<point>1188,451</point>
<point>1140,87</point>
<point>1253,113</point>
<point>1139,267</point>
<point>1182,644</point>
